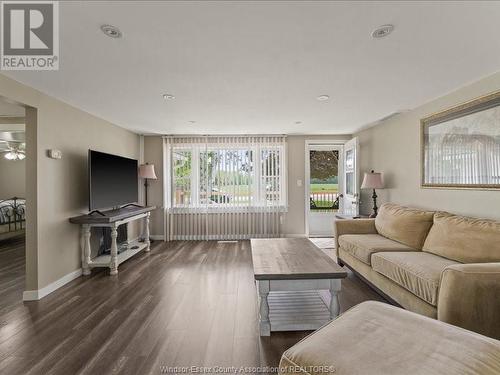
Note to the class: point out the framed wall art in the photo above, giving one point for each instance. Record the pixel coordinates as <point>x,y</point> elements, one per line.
<point>460,147</point>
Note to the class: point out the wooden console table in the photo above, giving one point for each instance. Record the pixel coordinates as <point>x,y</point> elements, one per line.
<point>112,219</point>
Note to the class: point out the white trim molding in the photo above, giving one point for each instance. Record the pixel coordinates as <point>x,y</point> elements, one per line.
<point>294,235</point>
<point>157,237</point>
<point>35,295</point>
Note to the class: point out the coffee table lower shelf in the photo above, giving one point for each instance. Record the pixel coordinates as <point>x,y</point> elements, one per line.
<point>298,311</point>
<point>296,305</point>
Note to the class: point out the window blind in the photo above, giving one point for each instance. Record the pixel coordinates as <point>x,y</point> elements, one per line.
<point>225,187</point>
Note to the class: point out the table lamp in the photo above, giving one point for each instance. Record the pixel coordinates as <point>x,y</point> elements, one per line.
<point>373,181</point>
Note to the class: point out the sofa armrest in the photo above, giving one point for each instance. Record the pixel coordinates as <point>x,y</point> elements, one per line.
<point>469,297</point>
<point>352,226</point>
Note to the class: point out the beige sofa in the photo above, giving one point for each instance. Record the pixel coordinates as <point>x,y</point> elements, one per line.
<point>436,264</point>
<point>378,339</point>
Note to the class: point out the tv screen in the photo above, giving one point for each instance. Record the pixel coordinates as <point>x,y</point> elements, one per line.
<point>113,180</point>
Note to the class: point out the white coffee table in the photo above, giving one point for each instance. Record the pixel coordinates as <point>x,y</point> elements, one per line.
<point>290,273</point>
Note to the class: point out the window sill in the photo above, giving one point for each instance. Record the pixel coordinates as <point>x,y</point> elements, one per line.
<point>223,210</point>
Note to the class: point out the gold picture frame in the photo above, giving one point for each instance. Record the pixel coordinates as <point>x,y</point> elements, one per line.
<point>460,146</point>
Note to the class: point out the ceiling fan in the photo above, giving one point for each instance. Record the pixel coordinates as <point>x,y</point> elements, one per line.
<point>12,145</point>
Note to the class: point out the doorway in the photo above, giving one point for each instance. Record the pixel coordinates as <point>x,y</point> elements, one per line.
<point>323,186</point>
<point>12,203</point>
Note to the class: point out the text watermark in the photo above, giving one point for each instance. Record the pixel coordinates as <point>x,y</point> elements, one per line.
<point>29,35</point>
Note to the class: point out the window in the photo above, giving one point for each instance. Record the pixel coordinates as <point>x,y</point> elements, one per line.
<point>349,172</point>
<point>183,173</point>
<point>270,176</point>
<point>226,177</point>
<point>239,175</point>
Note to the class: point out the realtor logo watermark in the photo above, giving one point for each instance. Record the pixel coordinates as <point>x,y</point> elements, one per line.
<point>29,35</point>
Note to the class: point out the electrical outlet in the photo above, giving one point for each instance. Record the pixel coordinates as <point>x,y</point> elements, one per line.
<point>299,183</point>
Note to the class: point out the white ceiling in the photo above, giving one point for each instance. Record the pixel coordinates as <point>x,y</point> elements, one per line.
<point>257,67</point>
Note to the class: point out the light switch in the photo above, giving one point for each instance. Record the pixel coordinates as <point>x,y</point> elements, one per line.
<point>54,154</point>
<point>299,183</point>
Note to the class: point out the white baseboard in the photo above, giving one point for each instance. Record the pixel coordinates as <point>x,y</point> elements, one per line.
<point>294,235</point>
<point>157,237</point>
<point>35,295</point>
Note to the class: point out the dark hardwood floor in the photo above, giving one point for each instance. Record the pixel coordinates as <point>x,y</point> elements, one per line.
<point>187,303</point>
<point>12,271</point>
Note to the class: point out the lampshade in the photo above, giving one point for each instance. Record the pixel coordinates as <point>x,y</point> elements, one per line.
<point>147,171</point>
<point>372,180</point>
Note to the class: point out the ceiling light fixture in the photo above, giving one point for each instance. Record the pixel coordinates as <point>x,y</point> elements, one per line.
<point>322,98</point>
<point>298,122</point>
<point>168,97</point>
<point>111,31</point>
<point>192,122</point>
<point>382,31</point>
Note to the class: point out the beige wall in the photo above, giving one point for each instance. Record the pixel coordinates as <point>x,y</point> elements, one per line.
<point>153,154</point>
<point>31,132</point>
<point>61,184</point>
<point>12,178</point>
<point>394,149</point>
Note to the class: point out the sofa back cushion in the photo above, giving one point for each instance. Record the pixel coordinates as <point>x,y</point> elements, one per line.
<point>464,239</point>
<point>406,225</point>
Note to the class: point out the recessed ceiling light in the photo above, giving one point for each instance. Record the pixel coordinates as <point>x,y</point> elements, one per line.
<point>192,122</point>
<point>111,31</point>
<point>298,122</point>
<point>382,31</point>
<point>168,97</point>
<point>322,98</point>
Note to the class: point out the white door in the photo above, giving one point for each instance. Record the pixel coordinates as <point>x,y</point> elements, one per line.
<point>323,182</point>
<point>349,202</point>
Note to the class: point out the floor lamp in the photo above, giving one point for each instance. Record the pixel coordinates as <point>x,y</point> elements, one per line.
<point>147,172</point>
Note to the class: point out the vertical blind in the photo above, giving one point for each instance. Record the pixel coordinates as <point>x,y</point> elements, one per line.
<point>225,187</point>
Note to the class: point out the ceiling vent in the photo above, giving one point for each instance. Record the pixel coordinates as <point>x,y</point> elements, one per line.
<point>382,31</point>
<point>111,31</point>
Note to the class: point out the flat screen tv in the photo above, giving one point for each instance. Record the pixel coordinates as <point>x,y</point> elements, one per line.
<point>113,180</point>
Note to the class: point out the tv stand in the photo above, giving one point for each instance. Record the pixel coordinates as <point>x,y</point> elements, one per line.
<point>131,205</point>
<point>112,219</point>
<point>96,212</point>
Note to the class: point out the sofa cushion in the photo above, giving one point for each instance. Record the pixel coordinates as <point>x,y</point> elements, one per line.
<point>376,338</point>
<point>417,272</point>
<point>464,239</point>
<point>406,225</point>
<point>362,246</point>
